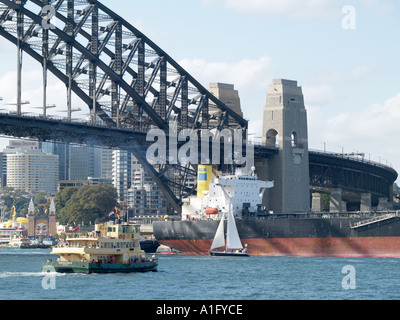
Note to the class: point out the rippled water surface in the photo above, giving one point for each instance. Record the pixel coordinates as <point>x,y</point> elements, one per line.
<point>210,278</point>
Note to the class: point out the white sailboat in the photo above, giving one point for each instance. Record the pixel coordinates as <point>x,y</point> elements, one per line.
<point>233,245</point>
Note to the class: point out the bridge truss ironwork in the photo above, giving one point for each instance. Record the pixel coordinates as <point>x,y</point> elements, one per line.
<point>126,81</point>
<point>129,86</point>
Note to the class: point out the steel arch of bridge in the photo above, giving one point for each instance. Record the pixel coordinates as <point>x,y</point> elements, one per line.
<point>124,78</point>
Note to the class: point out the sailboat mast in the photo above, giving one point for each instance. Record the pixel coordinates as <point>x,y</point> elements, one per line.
<point>232,235</point>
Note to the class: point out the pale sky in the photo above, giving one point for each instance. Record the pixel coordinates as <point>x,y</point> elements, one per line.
<point>349,76</point>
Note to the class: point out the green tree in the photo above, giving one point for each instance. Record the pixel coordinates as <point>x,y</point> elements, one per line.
<point>87,204</point>
<point>60,200</point>
<point>63,196</point>
<point>7,197</point>
<point>21,204</point>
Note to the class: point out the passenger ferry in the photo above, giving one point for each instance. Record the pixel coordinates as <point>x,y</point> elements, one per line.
<point>111,248</point>
<point>19,239</point>
<point>5,235</point>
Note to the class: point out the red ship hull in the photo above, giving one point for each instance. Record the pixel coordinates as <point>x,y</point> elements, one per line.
<point>332,237</point>
<point>324,247</point>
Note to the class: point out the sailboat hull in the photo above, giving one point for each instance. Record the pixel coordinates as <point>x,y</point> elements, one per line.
<point>229,254</point>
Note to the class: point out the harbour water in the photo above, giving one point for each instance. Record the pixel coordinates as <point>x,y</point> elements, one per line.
<point>206,278</point>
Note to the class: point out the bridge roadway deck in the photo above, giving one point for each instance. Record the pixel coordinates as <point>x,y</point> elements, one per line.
<point>327,171</point>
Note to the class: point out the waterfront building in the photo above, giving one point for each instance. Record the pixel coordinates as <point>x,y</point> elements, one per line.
<point>42,226</point>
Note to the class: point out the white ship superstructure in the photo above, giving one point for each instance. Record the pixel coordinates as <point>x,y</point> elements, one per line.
<point>245,190</point>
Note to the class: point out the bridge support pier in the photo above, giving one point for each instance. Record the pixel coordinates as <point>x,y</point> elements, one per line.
<point>316,203</point>
<point>366,203</point>
<point>344,206</point>
<point>383,204</point>
<point>336,202</point>
<point>285,128</point>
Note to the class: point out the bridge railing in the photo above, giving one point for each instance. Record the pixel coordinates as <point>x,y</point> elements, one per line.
<point>352,157</point>
<point>86,122</point>
<point>329,215</point>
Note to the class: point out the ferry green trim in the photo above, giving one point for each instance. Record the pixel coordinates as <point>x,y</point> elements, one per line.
<point>86,267</point>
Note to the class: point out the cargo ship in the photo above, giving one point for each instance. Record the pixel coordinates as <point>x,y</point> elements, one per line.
<point>372,234</point>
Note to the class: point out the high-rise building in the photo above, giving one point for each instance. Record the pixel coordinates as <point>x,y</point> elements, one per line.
<point>33,171</point>
<point>62,150</point>
<point>15,146</point>
<point>135,187</point>
<point>137,201</point>
<point>145,197</point>
<point>106,163</point>
<point>81,162</point>
<point>3,169</point>
<point>122,173</point>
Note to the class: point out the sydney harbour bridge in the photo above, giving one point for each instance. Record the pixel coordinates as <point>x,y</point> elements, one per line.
<point>130,86</point>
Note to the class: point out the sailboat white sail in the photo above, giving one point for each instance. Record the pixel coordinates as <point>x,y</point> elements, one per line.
<point>219,239</point>
<point>232,238</point>
<point>233,241</point>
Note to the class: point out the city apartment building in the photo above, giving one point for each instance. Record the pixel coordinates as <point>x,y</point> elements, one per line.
<point>33,171</point>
